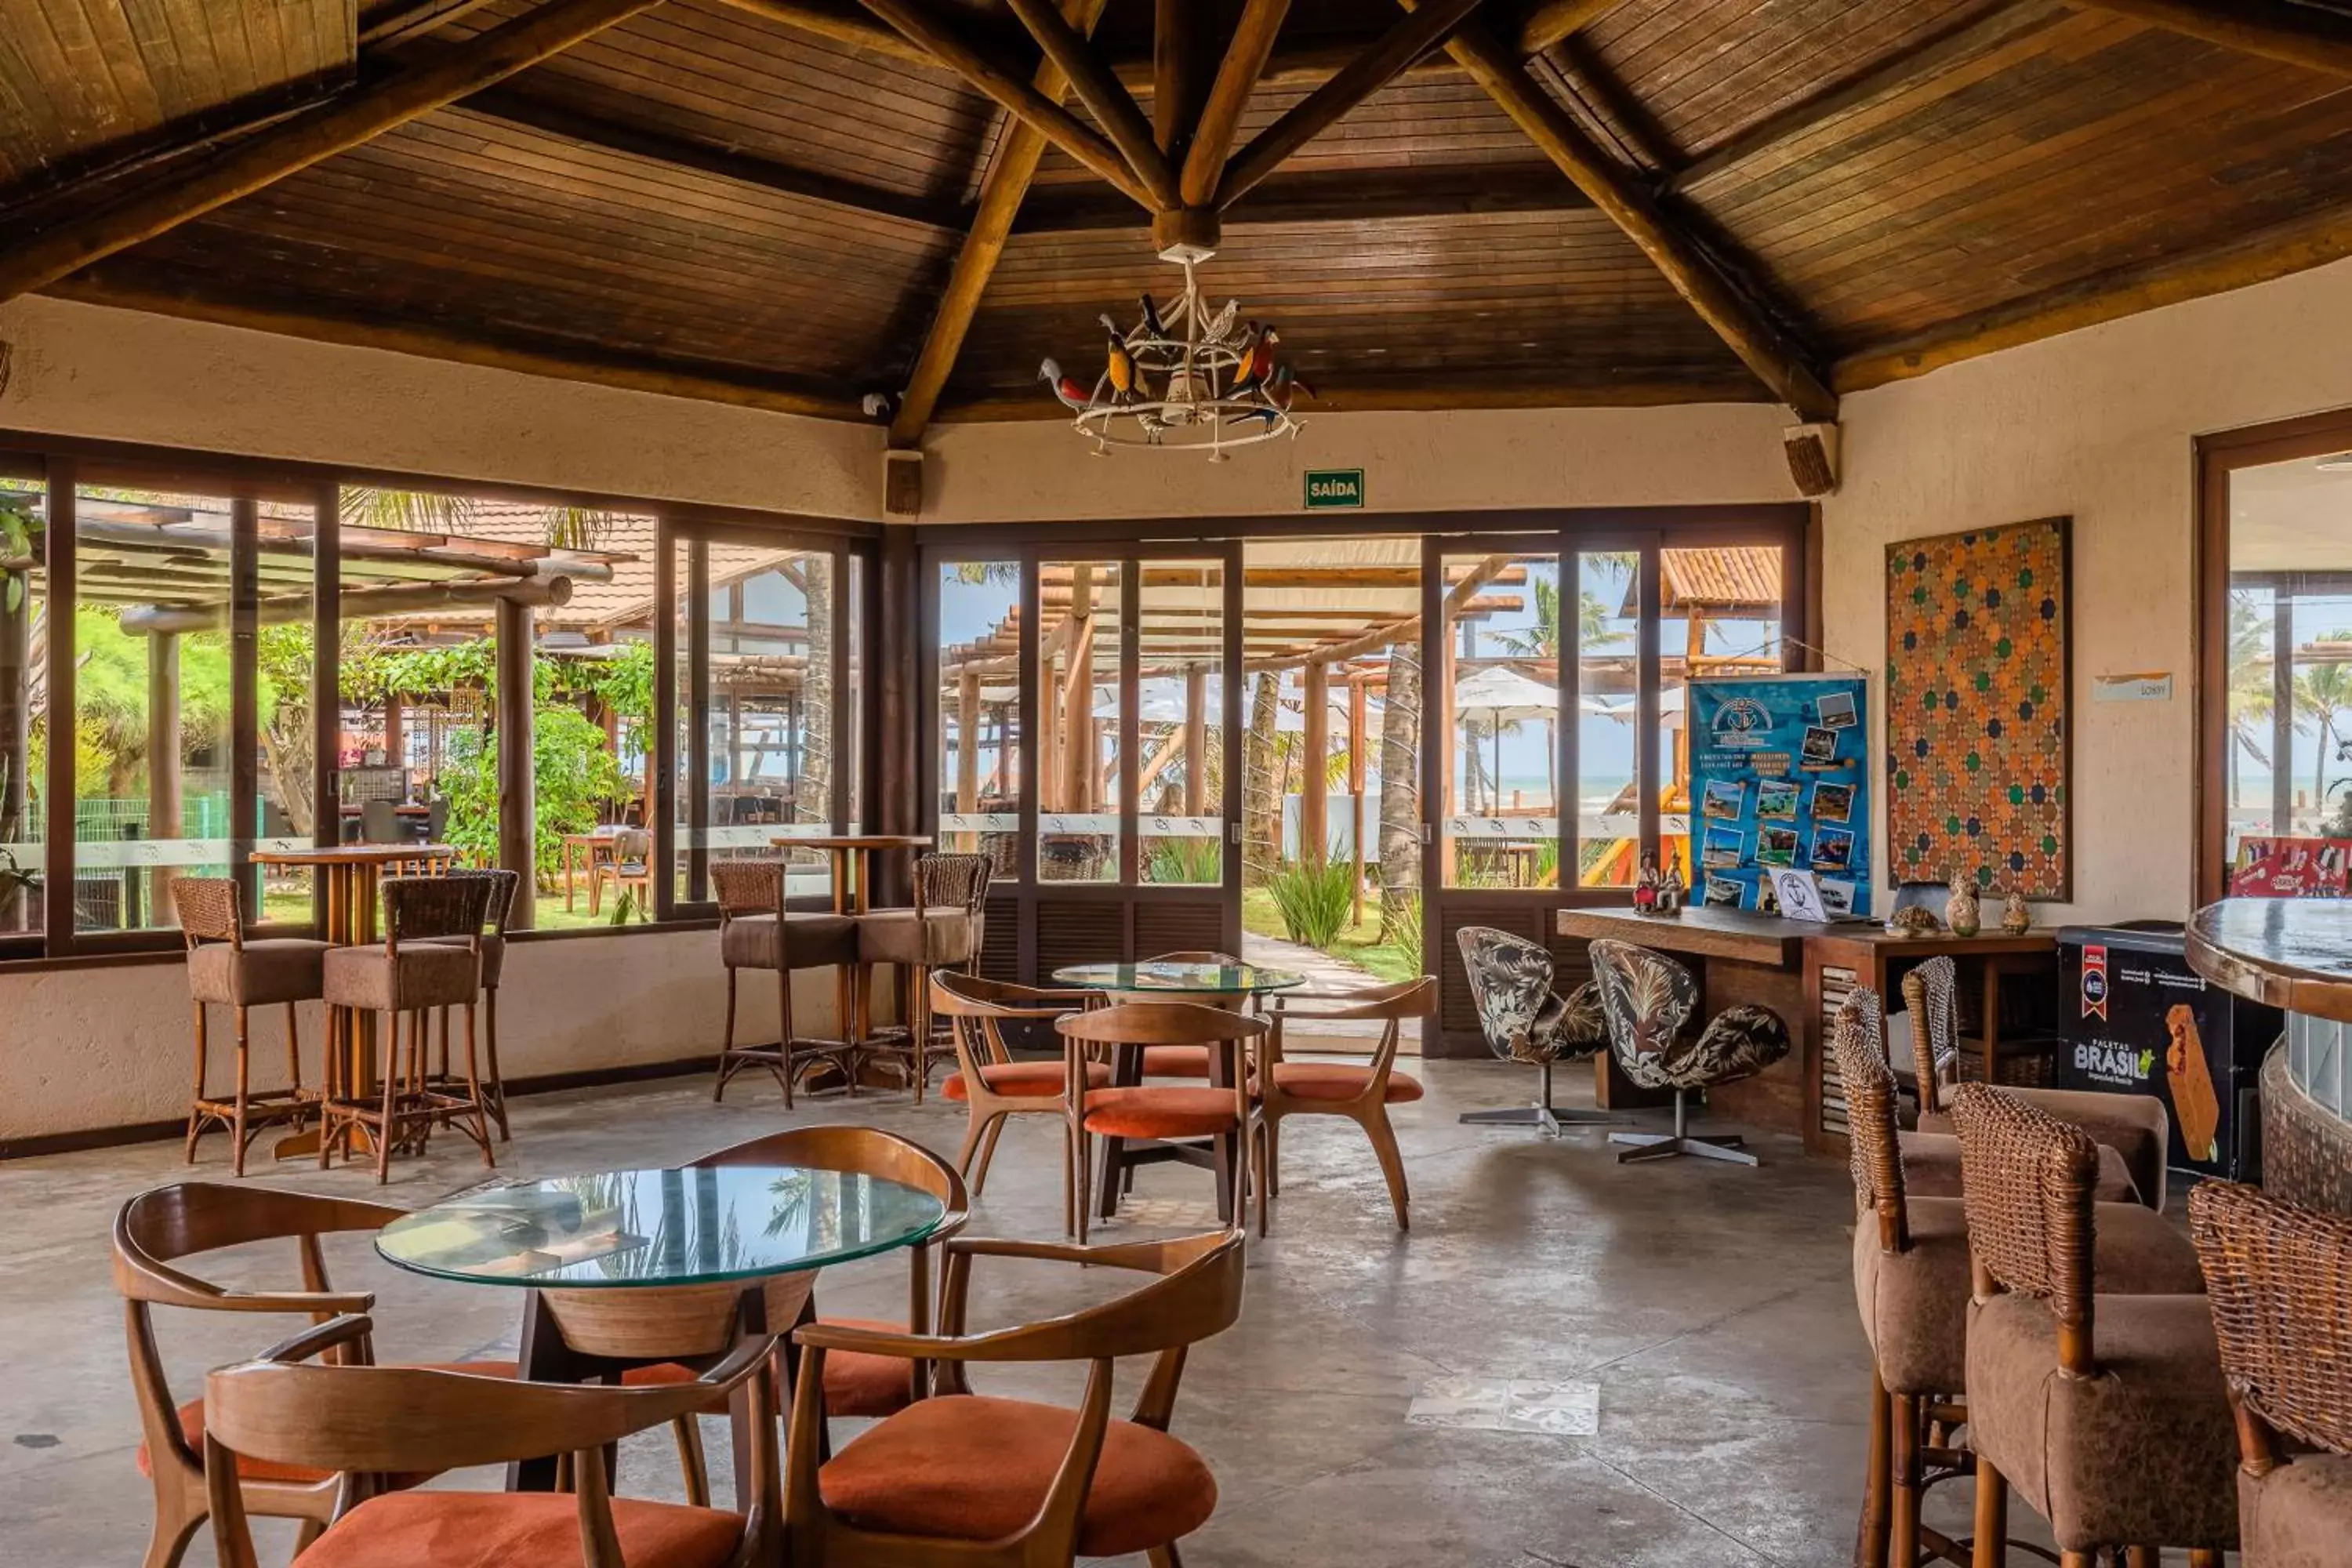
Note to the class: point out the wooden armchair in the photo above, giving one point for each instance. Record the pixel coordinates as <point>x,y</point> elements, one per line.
<point>975,1481</point>
<point>360,1422</point>
<point>1216,1124</point>
<point>1363,1093</point>
<point>153,1233</point>
<point>992,1085</point>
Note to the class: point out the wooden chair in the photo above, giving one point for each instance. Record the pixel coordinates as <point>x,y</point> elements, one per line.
<point>755,932</point>
<point>966,1480</point>
<point>992,1085</point>
<point>1191,1061</point>
<point>1360,1092</point>
<point>154,1233</point>
<point>2276,1275</point>
<point>856,1385</point>
<point>1911,1275</point>
<point>431,959</point>
<point>2130,1450</point>
<point>630,866</point>
<point>1162,1116</point>
<point>225,970</point>
<point>505,887</point>
<point>363,1421</point>
<point>943,933</point>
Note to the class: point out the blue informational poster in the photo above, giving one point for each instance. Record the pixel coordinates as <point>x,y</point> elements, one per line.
<point>1780,776</point>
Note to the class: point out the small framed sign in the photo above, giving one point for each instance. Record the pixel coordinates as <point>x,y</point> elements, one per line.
<point>1331,489</point>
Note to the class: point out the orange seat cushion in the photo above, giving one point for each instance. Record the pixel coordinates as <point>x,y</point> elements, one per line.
<point>1148,1110</point>
<point>1340,1080</point>
<point>855,1384</point>
<point>968,1467</point>
<point>192,1427</point>
<point>517,1529</point>
<point>1026,1078</point>
<point>1175,1061</point>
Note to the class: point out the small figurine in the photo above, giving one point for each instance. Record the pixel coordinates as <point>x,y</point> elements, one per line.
<point>1914,920</point>
<point>1671,893</point>
<point>1961,911</point>
<point>2015,918</point>
<point>1645,886</point>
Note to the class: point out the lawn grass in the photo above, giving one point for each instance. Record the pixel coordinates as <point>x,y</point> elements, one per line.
<point>1356,945</point>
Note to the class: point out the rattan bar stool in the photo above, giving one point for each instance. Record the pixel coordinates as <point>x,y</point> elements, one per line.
<point>226,970</point>
<point>756,933</point>
<point>505,887</point>
<point>943,932</point>
<point>406,978</point>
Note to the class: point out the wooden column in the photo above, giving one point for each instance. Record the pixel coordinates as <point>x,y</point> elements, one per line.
<point>1196,739</point>
<point>2283,709</point>
<point>15,728</point>
<point>1078,695</point>
<point>58,887</point>
<point>968,722</point>
<point>1314,825</point>
<point>163,762</point>
<point>326,683</point>
<point>517,825</point>
<point>244,706</point>
<point>1357,713</point>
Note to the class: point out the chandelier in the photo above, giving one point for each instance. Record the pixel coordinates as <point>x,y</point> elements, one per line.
<point>1181,378</point>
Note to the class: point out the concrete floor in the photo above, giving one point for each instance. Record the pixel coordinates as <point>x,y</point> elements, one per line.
<point>1710,1308</point>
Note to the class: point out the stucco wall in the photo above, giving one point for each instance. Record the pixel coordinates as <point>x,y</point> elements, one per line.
<point>2098,425</point>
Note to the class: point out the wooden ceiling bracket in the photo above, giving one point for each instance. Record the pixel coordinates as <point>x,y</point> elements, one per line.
<point>1221,114</point>
<point>1105,98</point>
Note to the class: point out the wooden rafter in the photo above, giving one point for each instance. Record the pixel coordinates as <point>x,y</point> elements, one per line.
<point>1326,196</point>
<point>1414,35</point>
<point>1013,166</point>
<point>1113,107</point>
<point>2276,30</point>
<point>399,23</point>
<point>334,126</point>
<point>1221,115</point>
<point>1177,74</point>
<point>1553,20</point>
<point>950,47</point>
<point>1777,359</point>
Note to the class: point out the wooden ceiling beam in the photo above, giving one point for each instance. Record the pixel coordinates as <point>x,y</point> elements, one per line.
<point>1002,188</point>
<point>398,23</point>
<point>312,136</point>
<point>1420,391</point>
<point>950,47</point>
<point>1113,107</point>
<point>2295,35</point>
<point>1221,115</point>
<point>844,23</point>
<point>1330,195</point>
<point>1777,360</point>
<point>1420,31</point>
<point>1553,20</point>
<point>1177,73</point>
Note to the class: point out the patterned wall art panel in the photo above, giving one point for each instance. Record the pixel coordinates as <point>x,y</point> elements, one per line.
<point>1977,721</point>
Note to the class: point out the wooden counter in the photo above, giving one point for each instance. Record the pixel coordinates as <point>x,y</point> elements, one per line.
<point>2294,954</point>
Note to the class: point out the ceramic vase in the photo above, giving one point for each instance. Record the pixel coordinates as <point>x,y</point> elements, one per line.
<point>1961,912</point>
<point>2015,918</point>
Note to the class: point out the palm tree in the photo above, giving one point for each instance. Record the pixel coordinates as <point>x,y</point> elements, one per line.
<point>2251,692</point>
<point>2322,692</point>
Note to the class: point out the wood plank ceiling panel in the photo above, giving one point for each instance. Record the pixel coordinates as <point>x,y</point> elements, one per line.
<point>1554,298</point>
<point>704,71</point>
<point>470,224</point>
<point>84,83</point>
<point>2095,146</point>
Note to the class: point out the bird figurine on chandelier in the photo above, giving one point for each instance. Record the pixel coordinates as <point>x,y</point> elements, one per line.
<point>1065,387</point>
<point>1151,321</point>
<point>1258,358</point>
<point>1119,364</point>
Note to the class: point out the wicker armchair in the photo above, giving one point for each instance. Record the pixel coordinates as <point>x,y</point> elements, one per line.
<point>1525,1020</point>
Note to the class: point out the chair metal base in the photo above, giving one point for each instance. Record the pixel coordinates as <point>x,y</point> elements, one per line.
<point>1542,1114</point>
<point>1647,1146</point>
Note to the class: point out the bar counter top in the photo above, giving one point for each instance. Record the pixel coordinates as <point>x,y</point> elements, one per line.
<point>2290,954</point>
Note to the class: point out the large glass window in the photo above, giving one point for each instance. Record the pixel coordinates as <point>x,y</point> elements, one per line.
<point>774,731</point>
<point>1499,636</point>
<point>1179,791</point>
<point>23,701</point>
<point>1608,618</point>
<point>977,709</point>
<point>1079,761</point>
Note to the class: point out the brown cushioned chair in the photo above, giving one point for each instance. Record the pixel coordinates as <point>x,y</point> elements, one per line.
<point>1148,1121</point>
<point>365,1420</point>
<point>154,1234</point>
<point>992,1085</point>
<point>226,970</point>
<point>2136,1126</point>
<point>2105,1411</point>
<point>975,1481</point>
<point>943,932</point>
<point>1361,1091</point>
<point>505,886</point>
<point>755,932</point>
<point>1191,1061</point>
<point>1911,1280</point>
<point>2277,1274</point>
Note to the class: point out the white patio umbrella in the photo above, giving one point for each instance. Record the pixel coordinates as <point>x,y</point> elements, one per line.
<point>1506,697</point>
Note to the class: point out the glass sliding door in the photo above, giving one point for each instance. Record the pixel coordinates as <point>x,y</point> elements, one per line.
<point>976,710</point>
<point>1499,638</point>
<point>1079,764</point>
<point>1606,678</point>
<point>1179,724</point>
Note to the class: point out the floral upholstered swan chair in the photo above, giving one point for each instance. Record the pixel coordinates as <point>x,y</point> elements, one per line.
<point>1647,999</point>
<point>1525,1020</point>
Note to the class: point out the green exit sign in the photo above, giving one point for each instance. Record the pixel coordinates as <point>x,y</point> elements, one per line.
<point>1329,487</point>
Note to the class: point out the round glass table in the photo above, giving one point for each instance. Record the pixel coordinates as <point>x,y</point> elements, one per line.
<point>627,1268</point>
<point>1160,981</point>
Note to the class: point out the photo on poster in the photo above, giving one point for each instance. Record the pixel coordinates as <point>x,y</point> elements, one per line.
<point>1726,798</point>
<point>1724,844</point>
<point>1837,896</point>
<point>1835,709</point>
<point>1766,904</point>
<point>1833,848</point>
<point>1775,797</point>
<point>1725,892</point>
<point>1821,747</point>
<point>1776,846</point>
<point>1832,802</point>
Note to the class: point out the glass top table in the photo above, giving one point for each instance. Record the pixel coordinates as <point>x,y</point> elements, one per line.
<point>1176,981</point>
<point>645,1228</point>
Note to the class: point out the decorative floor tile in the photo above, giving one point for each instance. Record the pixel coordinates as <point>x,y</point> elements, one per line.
<point>1476,1404</point>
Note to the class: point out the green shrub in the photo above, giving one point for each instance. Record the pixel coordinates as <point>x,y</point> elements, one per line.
<point>1179,860</point>
<point>1401,948</point>
<point>1315,900</point>
<point>571,768</point>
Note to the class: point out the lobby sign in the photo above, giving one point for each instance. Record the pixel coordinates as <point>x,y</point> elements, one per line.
<point>1780,781</point>
<point>1334,489</point>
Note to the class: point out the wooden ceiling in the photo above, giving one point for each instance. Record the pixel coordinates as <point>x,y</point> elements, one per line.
<point>791,203</point>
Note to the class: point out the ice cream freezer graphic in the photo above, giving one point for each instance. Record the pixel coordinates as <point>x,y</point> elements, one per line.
<point>1778,777</point>
<point>2140,1021</point>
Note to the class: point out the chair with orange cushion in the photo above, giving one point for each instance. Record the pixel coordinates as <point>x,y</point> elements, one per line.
<point>1191,1061</point>
<point>992,1085</point>
<point>1361,1091</point>
<point>856,1385</point>
<point>967,1481</point>
<point>153,1234</point>
<point>1215,1124</point>
<point>355,1421</point>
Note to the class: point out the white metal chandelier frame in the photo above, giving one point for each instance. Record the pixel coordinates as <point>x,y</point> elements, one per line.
<point>1197,409</point>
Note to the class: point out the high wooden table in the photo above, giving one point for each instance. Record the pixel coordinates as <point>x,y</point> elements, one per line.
<point>2294,954</point>
<point>852,881</point>
<point>352,872</point>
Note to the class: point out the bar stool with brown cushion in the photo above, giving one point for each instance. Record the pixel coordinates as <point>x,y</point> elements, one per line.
<point>1226,1114</point>
<point>431,958</point>
<point>1361,1091</point>
<point>2275,1273</point>
<point>944,930</point>
<point>2136,1127</point>
<point>363,1420</point>
<point>226,970</point>
<point>1912,1283</point>
<point>755,932</point>
<point>992,1085</point>
<point>2105,1411</point>
<point>505,886</point>
<point>965,1478</point>
<point>154,1234</point>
